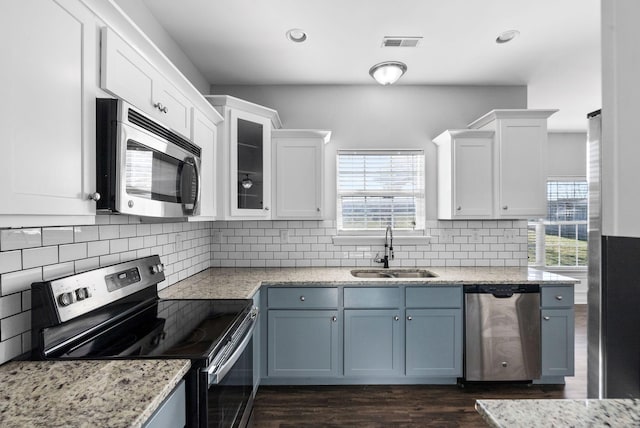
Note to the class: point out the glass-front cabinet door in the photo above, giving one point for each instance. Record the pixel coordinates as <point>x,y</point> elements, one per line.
<point>250,169</point>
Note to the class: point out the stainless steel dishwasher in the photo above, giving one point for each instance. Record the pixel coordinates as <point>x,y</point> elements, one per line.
<point>502,332</point>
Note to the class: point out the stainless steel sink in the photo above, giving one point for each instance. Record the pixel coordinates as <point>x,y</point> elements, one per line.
<point>393,273</point>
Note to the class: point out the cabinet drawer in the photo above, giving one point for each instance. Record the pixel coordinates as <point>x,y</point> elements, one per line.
<point>382,297</point>
<point>434,297</point>
<point>302,297</point>
<point>557,296</point>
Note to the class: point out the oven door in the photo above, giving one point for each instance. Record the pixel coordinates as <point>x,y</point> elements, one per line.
<point>228,398</point>
<point>155,177</point>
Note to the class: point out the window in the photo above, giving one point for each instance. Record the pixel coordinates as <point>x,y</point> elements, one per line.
<point>560,240</point>
<point>378,188</point>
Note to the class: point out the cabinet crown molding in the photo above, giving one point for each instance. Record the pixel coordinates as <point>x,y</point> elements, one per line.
<point>249,107</point>
<point>446,136</point>
<point>511,114</point>
<point>302,133</point>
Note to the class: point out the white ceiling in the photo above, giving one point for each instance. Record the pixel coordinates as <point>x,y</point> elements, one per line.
<point>243,42</point>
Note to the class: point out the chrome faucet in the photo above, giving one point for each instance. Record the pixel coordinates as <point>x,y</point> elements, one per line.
<point>388,248</point>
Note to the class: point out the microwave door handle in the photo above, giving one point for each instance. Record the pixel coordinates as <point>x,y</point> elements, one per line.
<point>216,376</point>
<point>196,202</point>
<point>187,180</point>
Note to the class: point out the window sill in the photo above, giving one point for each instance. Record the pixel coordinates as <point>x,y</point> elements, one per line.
<point>379,240</point>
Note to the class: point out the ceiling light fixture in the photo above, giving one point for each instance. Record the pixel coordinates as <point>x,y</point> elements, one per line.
<point>388,72</point>
<point>507,36</point>
<point>296,35</point>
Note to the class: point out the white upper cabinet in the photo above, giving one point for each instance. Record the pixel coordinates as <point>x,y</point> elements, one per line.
<point>49,76</point>
<point>298,165</point>
<point>465,174</point>
<point>245,167</point>
<point>126,74</point>
<point>205,136</point>
<point>520,161</point>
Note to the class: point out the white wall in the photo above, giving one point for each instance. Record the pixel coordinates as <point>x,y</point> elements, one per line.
<point>373,116</point>
<point>567,154</point>
<point>142,16</point>
<point>620,111</point>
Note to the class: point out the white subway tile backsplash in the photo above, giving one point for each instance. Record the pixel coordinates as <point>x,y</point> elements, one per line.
<point>16,239</point>
<point>57,235</point>
<point>10,305</point>
<point>41,256</point>
<point>86,233</point>
<point>109,232</point>
<point>97,248</point>
<point>57,271</point>
<point>10,261</point>
<point>15,282</point>
<point>15,325</point>
<point>10,349</point>
<point>87,264</point>
<point>73,251</point>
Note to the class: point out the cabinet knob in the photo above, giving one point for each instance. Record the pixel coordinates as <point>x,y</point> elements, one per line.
<point>396,318</point>
<point>458,208</point>
<point>302,298</point>
<point>318,209</point>
<point>334,318</point>
<point>505,207</point>
<point>159,106</point>
<point>546,318</point>
<point>95,196</point>
<point>165,109</point>
<point>409,318</point>
<point>266,208</point>
<point>558,297</point>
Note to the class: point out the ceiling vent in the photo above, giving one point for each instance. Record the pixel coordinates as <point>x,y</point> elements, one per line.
<point>400,42</point>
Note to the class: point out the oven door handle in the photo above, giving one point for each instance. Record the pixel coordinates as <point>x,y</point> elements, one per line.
<point>216,374</point>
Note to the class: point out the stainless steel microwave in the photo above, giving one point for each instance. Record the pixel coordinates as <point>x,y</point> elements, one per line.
<point>143,168</point>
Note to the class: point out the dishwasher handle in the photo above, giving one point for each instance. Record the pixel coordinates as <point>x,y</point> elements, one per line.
<point>503,294</point>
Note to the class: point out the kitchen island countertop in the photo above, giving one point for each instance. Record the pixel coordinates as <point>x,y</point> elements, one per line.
<point>120,393</point>
<point>560,413</point>
<point>242,283</point>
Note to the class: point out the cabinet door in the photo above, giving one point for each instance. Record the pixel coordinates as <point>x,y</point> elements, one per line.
<point>434,342</point>
<point>472,178</point>
<point>175,107</point>
<point>303,343</point>
<point>250,168</point>
<point>205,136</point>
<point>128,75</point>
<point>522,174</point>
<point>47,135</point>
<point>373,342</point>
<point>557,330</point>
<point>298,178</point>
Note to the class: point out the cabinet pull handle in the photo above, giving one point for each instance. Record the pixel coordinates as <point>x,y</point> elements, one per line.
<point>546,318</point>
<point>266,208</point>
<point>95,196</point>
<point>302,298</point>
<point>334,318</point>
<point>558,297</point>
<point>396,318</point>
<point>409,318</point>
<point>506,207</point>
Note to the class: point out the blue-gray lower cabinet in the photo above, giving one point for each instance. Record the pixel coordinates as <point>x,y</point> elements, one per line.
<point>373,342</point>
<point>557,330</point>
<point>434,342</point>
<point>303,343</point>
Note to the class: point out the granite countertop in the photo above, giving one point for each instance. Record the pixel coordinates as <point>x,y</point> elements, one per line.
<point>242,283</point>
<point>120,393</point>
<point>560,413</point>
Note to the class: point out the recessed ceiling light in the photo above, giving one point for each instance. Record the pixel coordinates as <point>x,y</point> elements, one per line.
<point>296,35</point>
<point>507,36</point>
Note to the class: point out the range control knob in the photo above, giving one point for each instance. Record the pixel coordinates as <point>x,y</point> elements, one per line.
<point>82,293</point>
<point>65,299</point>
<point>157,268</point>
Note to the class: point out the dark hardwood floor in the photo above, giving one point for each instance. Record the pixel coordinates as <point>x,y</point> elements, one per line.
<point>405,406</point>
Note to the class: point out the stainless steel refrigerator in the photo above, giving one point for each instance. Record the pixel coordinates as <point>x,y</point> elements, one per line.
<point>613,326</point>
